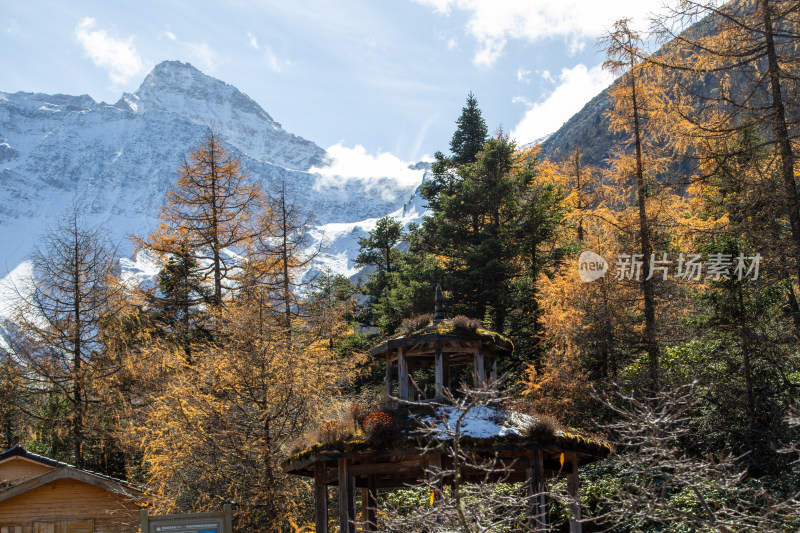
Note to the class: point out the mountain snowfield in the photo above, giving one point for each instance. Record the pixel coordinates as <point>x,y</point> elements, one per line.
<point>115,163</point>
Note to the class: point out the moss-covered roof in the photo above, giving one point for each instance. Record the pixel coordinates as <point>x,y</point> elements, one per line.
<point>564,441</point>
<point>446,331</point>
<point>485,429</point>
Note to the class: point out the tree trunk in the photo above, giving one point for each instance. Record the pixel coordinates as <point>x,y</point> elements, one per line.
<point>215,246</point>
<point>647,284</point>
<point>579,191</point>
<point>287,302</point>
<point>781,132</point>
<point>744,338</point>
<point>77,388</point>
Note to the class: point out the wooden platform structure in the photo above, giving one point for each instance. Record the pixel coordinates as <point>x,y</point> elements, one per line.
<point>356,466</point>
<point>442,345</point>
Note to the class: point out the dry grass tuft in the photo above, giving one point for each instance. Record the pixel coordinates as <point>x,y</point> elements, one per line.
<point>410,325</point>
<point>465,323</point>
<point>543,427</point>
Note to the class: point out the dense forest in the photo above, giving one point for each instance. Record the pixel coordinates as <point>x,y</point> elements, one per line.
<point>682,348</point>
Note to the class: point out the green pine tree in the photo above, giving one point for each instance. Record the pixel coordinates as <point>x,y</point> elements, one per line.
<point>179,308</point>
<point>470,135</point>
<point>467,142</point>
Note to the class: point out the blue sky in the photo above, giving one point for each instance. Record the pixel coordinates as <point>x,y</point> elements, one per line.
<point>373,79</point>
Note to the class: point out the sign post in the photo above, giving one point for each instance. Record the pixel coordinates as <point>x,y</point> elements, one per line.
<point>214,522</point>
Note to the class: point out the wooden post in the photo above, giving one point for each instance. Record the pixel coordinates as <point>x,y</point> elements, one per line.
<point>435,465</point>
<point>371,515</point>
<point>439,374</point>
<point>446,379</point>
<point>351,491</point>
<point>227,511</point>
<point>575,525</point>
<point>346,511</point>
<point>368,506</point>
<point>388,376</point>
<point>537,506</point>
<point>402,374</point>
<point>144,520</point>
<point>494,370</point>
<point>480,369</point>
<point>437,483</point>
<point>364,509</point>
<point>320,498</point>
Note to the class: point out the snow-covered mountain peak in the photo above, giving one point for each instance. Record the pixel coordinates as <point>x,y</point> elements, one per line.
<point>51,102</point>
<point>180,87</point>
<point>118,162</point>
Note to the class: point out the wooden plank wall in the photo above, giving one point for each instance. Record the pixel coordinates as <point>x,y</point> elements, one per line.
<point>69,499</point>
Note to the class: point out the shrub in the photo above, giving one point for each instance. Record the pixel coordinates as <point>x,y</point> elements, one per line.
<point>332,431</point>
<point>381,428</point>
<point>358,414</point>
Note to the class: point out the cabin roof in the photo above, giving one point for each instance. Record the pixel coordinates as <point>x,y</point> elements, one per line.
<point>62,471</point>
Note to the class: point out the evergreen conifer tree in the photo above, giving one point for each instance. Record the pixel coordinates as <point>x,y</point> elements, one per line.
<point>467,141</point>
<point>178,307</point>
<point>470,135</point>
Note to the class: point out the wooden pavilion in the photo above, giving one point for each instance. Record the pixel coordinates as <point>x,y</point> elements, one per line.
<point>356,464</point>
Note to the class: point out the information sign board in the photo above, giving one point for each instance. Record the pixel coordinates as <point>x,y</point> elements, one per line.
<point>215,522</point>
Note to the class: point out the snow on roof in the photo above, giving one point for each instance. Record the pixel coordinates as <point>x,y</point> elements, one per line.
<point>478,422</point>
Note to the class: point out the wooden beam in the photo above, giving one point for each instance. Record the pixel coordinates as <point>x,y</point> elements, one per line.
<point>575,525</point>
<point>346,511</point>
<point>415,464</point>
<point>439,375</point>
<point>402,375</point>
<point>320,498</point>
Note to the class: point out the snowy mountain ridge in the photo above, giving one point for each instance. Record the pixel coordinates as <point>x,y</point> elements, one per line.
<point>117,162</point>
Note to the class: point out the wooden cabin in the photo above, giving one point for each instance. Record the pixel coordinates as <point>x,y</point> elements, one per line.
<point>40,495</point>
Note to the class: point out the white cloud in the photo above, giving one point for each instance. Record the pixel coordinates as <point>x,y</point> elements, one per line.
<point>576,86</point>
<point>547,76</point>
<point>441,6</point>
<point>253,41</point>
<point>274,61</point>
<point>119,57</point>
<point>205,54</point>
<point>200,52</point>
<point>522,75</point>
<point>356,163</point>
<point>13,28</point>
<point>452,44</point>
<point>493,22</point>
